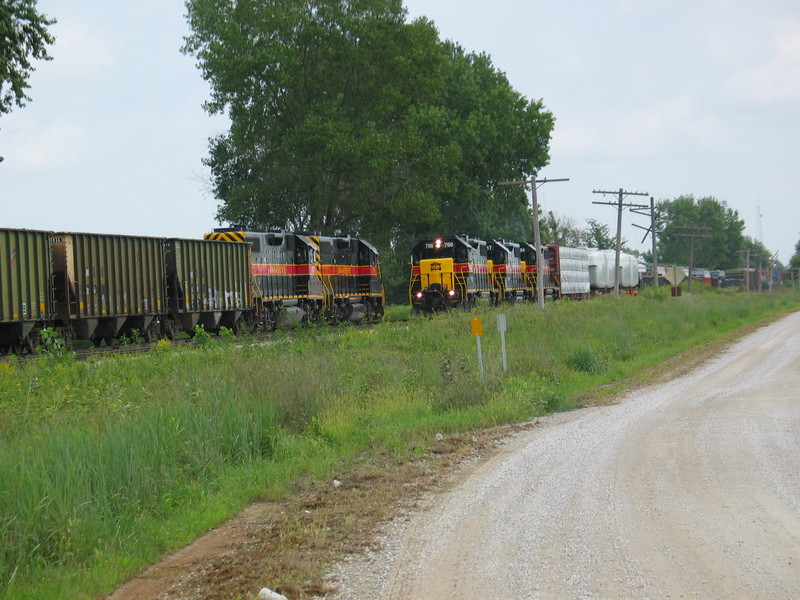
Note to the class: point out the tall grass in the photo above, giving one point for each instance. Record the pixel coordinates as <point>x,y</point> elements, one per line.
<point>108,463</point>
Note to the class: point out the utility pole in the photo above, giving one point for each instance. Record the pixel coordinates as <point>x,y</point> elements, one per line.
<point>747,268</point>
<point>537,236</point>
<point>773,265</point>
<point>619,204</point>
<point>654,230</point>
<point>692,235</point>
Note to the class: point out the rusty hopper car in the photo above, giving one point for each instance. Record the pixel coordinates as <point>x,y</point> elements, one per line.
<point>108,285</point>
<point>448,272</point>
<point>286,274</point>
<point>207,284</point>
<point>25,282</point>
<point>505,271</point>
<point>351,278</point>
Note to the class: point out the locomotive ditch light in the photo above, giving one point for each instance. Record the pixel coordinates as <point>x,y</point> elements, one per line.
<point>451,293</point>
<point>419,294</point>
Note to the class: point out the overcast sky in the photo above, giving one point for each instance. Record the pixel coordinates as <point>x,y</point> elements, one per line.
<point>669,98</point>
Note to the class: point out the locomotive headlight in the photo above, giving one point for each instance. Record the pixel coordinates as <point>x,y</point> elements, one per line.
<point>438,244</point>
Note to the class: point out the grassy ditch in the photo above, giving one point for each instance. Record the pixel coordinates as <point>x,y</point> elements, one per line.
<point>108,464</point>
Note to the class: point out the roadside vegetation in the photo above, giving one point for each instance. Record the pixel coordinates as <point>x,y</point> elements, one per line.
<point>109,463</point>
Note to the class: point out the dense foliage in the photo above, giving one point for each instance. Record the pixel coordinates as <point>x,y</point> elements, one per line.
<point>23,37</point>
<point>347,119</point>
<point>714,230</point>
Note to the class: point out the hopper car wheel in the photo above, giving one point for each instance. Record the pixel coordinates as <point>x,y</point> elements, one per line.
<point>96,340</point>
<point>247,323</point>
<point>270,320</point>
<point>153,331</point>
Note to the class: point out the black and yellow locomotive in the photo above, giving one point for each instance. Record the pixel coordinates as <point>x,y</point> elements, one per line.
<point>453,272</point>
<point>448,272</point>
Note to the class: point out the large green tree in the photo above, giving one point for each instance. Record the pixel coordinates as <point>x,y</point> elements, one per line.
<point>598,235</point>
<point>347,118</point>
<point>717,231</point>
<point>322,97</point>
<point>498,135</point>
<point>560,230</point>
<point>23,37</point>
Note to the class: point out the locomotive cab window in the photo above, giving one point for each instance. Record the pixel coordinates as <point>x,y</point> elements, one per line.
<point>366,257</point>
<point>256,243</point>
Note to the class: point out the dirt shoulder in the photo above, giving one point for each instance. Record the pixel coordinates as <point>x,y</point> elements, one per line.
<point>287,545</point>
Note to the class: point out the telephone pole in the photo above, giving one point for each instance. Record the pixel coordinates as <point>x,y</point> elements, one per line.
<point>692,234</point>
<point>747,268</point>
<point>537,237</point>
<point>652,230</point>
<point>619,204</point>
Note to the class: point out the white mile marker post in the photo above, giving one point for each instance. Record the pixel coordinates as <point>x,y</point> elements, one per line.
<point>477,331</point>
<point>501,327</point>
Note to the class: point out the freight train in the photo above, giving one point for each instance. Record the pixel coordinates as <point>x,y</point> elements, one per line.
<point>100,287</point>
<point>454,272</point>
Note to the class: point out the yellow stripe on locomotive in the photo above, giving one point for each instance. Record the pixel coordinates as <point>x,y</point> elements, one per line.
<point>226,236</point>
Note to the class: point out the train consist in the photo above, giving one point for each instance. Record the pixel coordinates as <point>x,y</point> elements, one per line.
<point>454,272</point>
<point>99,287</point>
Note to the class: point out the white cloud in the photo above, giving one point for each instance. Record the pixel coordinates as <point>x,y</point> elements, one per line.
<point>59,147</point>
<point>778,78</point>
<point>82,51</point>
<point>650,130</point>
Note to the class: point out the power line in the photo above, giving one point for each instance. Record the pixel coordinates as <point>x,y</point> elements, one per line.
<point>619,204</point>
<point>653,229</point>
<point>537,237</point>
<point>692,235</point>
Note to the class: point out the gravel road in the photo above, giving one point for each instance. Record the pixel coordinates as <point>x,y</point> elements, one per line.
<point>690,489</point>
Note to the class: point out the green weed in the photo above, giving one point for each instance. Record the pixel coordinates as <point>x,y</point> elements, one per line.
<point>105,464</point>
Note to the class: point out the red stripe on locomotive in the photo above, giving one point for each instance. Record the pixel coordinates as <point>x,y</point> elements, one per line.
<point>349,270</point>
<point>293,270</point>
